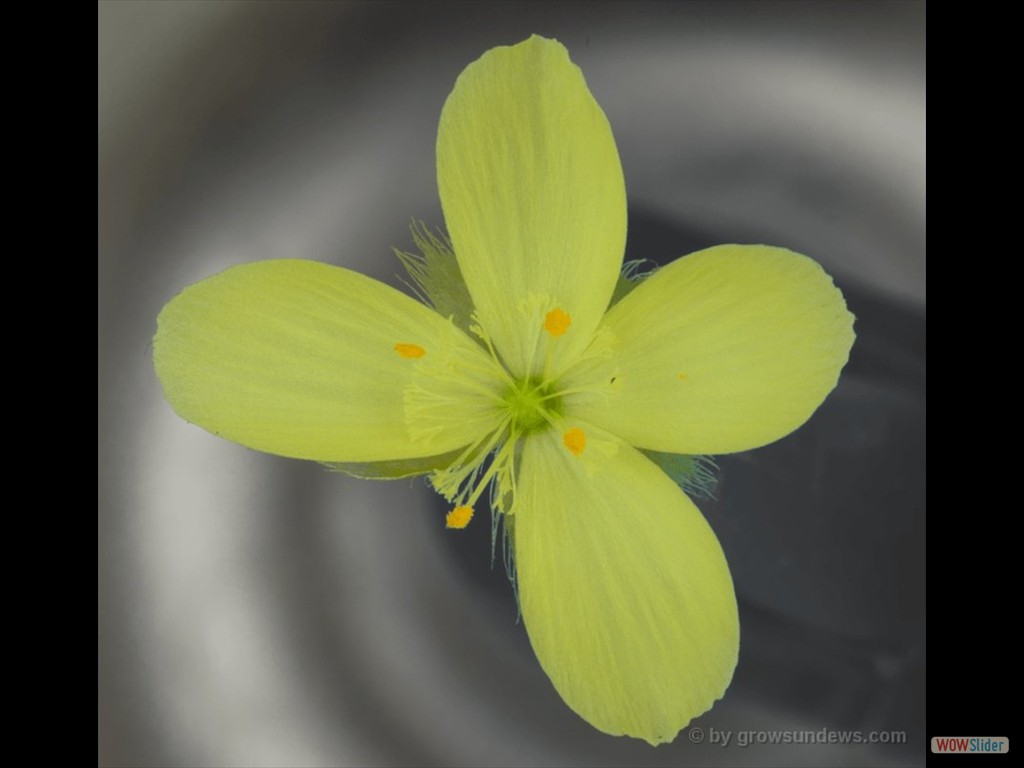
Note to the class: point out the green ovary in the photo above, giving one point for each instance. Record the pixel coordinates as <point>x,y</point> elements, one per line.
<point>532,405</point>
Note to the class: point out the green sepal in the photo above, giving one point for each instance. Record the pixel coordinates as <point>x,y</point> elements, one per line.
<point>696,475</point>
<point>630,277</point>
<point>394,470</point>
<point>436,278</point>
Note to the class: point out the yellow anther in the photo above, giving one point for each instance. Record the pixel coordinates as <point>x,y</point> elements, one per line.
<point>575,441</point>
<point>459,517</point>
<point>557,322</point>
<point>682,376</point>
<point>410,351</point>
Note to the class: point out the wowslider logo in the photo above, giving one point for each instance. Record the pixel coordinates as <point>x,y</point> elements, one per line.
<point>971,744</point>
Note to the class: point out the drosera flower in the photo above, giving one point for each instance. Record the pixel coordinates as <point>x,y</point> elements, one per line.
<point>526,381</point>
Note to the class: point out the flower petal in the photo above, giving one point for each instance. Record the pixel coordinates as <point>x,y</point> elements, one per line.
<point>312,361</point>
<point>723,350</point>
<point>533,196</point>
<point>624,589</point>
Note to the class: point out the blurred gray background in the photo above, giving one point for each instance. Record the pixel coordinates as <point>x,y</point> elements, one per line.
<point>261,611</point>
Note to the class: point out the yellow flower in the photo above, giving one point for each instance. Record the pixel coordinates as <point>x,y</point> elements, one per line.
<point>548,397</point>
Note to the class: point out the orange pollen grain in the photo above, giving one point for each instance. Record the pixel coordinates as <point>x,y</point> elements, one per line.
<point>557,321</point>
<point>682,376</point>
<point>410,351</point>
<point>575,441</point>
<point>458,517</point>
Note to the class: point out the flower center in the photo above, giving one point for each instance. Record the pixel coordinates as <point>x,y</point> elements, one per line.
<point>532,405</point>
<point>514,407</point>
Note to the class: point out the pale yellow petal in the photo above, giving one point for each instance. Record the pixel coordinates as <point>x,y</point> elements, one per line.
<point>313,361</point>
<point>724,350</point>
<point>533,197</point>
<point>624,589</point>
